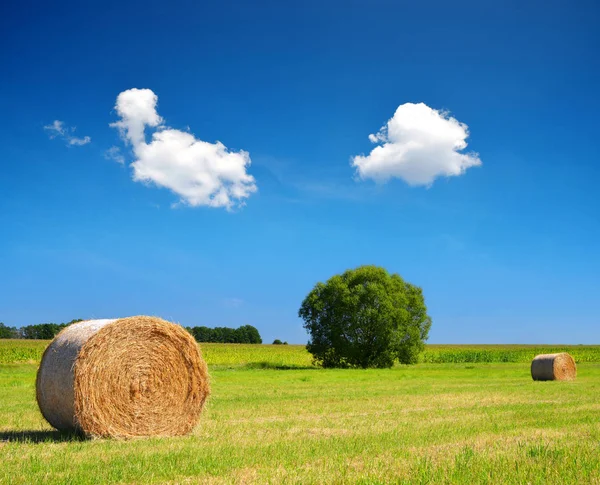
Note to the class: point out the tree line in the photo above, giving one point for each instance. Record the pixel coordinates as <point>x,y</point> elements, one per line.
<point>246,334</point>
<point>40,331</point>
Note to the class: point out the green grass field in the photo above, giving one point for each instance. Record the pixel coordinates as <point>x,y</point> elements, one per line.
<point>273,418</point>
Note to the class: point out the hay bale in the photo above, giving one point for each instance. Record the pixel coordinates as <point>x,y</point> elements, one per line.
<point>553,367</point>
<point>137,376</point>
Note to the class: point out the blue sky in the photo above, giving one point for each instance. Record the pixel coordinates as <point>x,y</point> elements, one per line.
<point>502,235</point>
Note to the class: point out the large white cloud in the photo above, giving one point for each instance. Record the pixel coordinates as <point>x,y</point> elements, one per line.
<point>418,144</point>
<point>201,173</point>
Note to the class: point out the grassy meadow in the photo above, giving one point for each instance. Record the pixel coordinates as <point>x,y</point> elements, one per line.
<point>273,418</point>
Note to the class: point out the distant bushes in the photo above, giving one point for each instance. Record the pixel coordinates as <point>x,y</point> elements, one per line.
<point>246,334</point>
<point>279,342</point>
<point>40,331</point>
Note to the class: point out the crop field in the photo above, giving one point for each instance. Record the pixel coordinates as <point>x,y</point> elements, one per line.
<point>466,414</point>
<point>461,354</point>
<point>294,356</point>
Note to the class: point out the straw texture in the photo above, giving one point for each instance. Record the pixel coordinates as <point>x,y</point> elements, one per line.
<point>137,376</point>
<point>553,367</point>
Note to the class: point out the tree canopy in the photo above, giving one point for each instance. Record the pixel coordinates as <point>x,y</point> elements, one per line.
<point>246,334</point>
<point>365,317</point>
<point>7,332</point>
<point>40,331</point>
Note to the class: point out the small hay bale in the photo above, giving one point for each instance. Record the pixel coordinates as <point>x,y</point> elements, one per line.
<point>553,367</point>
<point>128,377</point>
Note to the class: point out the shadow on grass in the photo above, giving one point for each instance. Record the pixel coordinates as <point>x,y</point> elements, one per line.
<point>271,365</point>
<point>31,436</point>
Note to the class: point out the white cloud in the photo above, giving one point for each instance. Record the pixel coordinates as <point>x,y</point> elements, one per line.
<point>58,129</point>
<point>418,144</point>
<point>79,141</point>
<point>114,153</point>
<point>137,108</point>
<point>55,129</point>
<point>201,173</point>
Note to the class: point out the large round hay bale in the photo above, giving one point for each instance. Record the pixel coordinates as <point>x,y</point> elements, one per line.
<point>137,376</point>
<point>553,367</point>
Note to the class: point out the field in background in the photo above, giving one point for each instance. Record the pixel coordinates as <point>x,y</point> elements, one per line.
<point>446,354</point>
<point>296,356</point>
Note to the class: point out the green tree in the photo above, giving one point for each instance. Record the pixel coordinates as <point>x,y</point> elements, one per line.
<point>246,334</point>
<point>365,317</point>
<point>7,332</point>
<point>277,342</point>
<point>227,335</point>
<point>202,334</point>
<point>44,331</point>
<point>249,335</point>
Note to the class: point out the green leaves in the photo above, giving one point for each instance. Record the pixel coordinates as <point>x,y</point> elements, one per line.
<point>246,334</point>
<point>365,317</point>
<point>7,332</point>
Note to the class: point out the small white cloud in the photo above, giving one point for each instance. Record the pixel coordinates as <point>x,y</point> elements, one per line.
<point>201,173</point>
<point>55,129</point>
<point>114,153</point>
<point>58,129</point>
<point>418,144</point>
<point>79,141</point>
